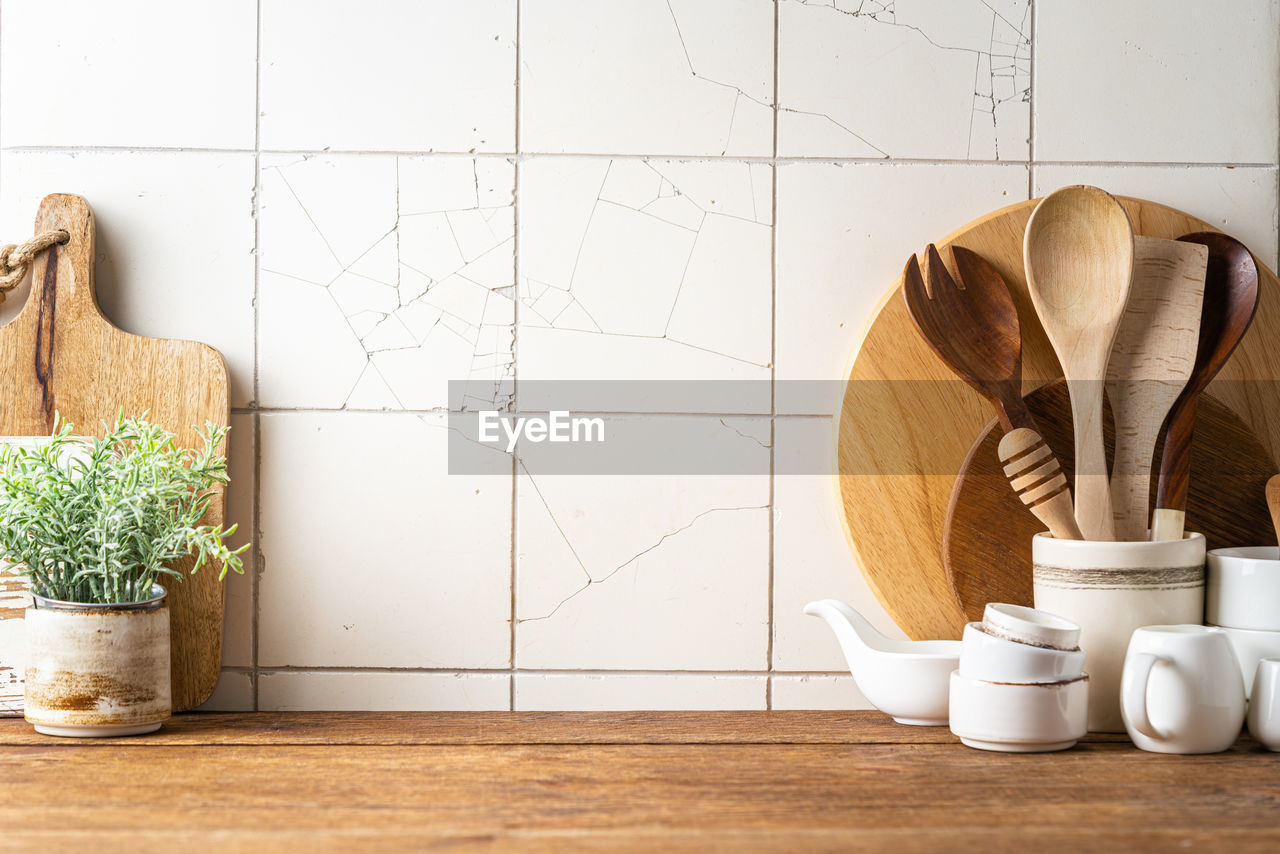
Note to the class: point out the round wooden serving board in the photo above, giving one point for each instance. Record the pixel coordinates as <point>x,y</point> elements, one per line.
<point>907,424</point>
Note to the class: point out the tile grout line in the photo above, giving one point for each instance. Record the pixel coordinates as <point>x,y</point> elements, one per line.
<point>675,156</point>
<point>254,582</point>
<point>773,358</point>
<point>619,413</point>
<point>534,671</point>
<point>1031,106</point>
<point>515,370</point>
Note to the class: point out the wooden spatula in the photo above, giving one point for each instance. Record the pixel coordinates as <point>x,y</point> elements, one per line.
<point>1273,503</point>
<point>61,355</point>
<point>1230,300</point>
<point>1151,361</point>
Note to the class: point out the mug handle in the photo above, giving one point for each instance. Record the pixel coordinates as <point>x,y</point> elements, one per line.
<point>1133,693</point>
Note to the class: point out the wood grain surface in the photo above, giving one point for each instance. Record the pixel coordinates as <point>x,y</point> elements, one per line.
<point>1151,362</point>
<point>906,424</point>
<point>992,563</point>
<point>61,355</point>
<point>730,784</point>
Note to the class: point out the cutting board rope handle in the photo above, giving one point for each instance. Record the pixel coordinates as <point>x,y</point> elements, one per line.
<point>15,260</point>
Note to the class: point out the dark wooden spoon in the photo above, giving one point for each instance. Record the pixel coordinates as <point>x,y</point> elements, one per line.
<point>1230,300</point>
<point>971,325</point>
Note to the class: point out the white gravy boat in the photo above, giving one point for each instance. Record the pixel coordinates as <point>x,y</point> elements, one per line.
<point>907,680</point>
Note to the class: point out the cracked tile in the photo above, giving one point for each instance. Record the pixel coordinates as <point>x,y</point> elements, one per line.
<point>811,556</point>
<point>839,253</point>
<point>624,263</point>
<point>374,555</point>
<point>383,278</point>
<point>384,692</point>
<point>683,585</point>
<point>130,72</point>
<point>1242,201</point>
<point>639,691</point>
<point>397,75</point>
<point>174,241</point>
<point>909,79</point>
<point>1149,82</point>
<point>688,77</point>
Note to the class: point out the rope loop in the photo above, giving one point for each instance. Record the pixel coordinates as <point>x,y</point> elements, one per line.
<point>16,260</point>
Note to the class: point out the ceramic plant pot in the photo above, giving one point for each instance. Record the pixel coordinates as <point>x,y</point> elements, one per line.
<point>97,670</point>
<point>1110,590</point>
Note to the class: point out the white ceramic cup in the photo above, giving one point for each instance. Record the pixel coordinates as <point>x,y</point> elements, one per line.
<point>1019,718</point>
<point>1181,690</point>
<point>1242,589</point>
<point>1110,589</point>
<point>995,659</point>
<point>1029,626</point>
<point>1251,647</point>
<point>1264,707</point>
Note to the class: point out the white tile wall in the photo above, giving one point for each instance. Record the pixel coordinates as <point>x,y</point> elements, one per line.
<point>357,203</point>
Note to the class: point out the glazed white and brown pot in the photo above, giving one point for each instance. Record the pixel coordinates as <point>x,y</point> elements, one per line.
<point>97,670</point>
<point>1110,590</point>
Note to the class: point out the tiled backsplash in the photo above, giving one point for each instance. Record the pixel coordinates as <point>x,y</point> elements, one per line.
<point>359,202</point>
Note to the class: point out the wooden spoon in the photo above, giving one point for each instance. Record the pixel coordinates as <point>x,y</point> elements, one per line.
<point>1230,300</point>
<point>1078,252</point>
<point>1273,503</point>
<point>1151,361</point>
<point>972,326</point>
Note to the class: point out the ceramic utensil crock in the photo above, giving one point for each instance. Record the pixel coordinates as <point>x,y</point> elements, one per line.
<point>1181,691</point>
<point>1110,589</point>
<point>1264,707</point>
<point>97,670</point>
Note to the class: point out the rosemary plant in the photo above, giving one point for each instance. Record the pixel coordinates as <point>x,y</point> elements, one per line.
<point>101,520</point>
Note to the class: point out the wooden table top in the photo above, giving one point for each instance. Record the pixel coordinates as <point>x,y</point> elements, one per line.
<point>616,781</point>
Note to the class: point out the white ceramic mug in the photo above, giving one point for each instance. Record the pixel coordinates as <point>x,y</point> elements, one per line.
<point>1243,588</point>
<point>1110,589</point>
<point>1264,708</point>
<point>1181,691</point>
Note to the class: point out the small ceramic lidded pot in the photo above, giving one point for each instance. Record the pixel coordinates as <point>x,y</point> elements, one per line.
<point>1111,589</point>
<point>97,670</point>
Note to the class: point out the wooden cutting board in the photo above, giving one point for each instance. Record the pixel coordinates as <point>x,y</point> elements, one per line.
<point>990,562</point>
<point>61,355</point>
<point>906,424</point>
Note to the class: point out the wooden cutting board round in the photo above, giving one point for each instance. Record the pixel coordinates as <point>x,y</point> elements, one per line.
<point>60,355</point>
<point>906,424</point>
<point>990,562</point>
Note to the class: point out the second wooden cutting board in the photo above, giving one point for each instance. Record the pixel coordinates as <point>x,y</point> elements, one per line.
<point>61,355</point>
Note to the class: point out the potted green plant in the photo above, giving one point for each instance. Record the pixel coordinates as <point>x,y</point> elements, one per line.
<point>94,525</point>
